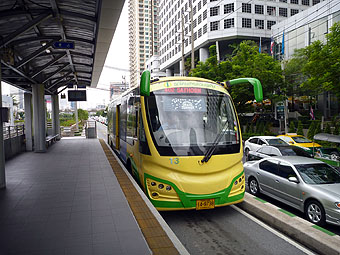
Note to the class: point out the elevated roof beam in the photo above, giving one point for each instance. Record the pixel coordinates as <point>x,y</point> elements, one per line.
<point>29,16</point>
<point>61,84</point>
<point>54,73</point>
<point>35,38</point>
<point>47,65</point>
<point>78,15</point>
<point>33,55</point>
<point>25,28</point>
<point>62,89</point>
<point>22,74</point>
<point>55,10</point>
<point>60,79</point>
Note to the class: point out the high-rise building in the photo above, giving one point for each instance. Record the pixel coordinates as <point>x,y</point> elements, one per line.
<point>143,35</point>
<point>224,21</point>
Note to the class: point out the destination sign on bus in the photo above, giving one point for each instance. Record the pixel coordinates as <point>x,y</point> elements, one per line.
<point>184,90</point>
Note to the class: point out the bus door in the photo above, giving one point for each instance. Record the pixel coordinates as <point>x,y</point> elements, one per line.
<point>117,127</point>
<point>122,129</point>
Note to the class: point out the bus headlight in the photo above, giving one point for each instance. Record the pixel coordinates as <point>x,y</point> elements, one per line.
<point>238,186</point>
<point>161,191</point>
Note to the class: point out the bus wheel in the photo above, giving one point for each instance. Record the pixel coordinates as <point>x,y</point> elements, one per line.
<point>129,167</point>
<point>254,188</point>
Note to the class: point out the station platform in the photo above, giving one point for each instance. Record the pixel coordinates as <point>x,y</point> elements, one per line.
<point>77,199</point>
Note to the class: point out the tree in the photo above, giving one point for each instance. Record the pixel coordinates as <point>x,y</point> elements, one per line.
<point>317,128</point>
<point>327,129</point>
<point>311,130</point>
<point>336,130</point>
<point>300,128</point>
<point>245,61</point>
<point>291,127</point>
<point>322,68</point>
<point>83,114</point>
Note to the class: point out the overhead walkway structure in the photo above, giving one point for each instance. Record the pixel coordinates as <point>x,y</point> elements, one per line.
<point>37,55</point>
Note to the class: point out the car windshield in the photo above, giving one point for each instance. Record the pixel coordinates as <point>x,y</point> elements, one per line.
<point>318,174</point>
<point>276,141</point>
<point>301,139</point>
<point>186,121</point>
<point>293,151</point>
<point>329,150</point>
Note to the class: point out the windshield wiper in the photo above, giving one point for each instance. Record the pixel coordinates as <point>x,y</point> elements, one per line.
<point>211,150</point>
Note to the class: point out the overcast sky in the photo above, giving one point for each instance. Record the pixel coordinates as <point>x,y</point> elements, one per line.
<point>118,56</point>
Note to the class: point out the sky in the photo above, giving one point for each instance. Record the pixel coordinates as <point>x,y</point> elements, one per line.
<point>118,56</point>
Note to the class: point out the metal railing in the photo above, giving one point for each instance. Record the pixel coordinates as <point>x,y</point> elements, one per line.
<point>13,131</point>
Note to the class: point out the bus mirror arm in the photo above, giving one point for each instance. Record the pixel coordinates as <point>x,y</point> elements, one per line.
<point>253,81</point>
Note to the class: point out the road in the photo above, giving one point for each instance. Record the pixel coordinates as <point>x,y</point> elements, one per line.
<point>226,230</point>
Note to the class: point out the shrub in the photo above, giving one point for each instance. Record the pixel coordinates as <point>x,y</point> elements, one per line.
<point>327,129</point>
<point>317,128</point>
<point>311,130</point>
<point>300,128</point>
<point>291,127</point>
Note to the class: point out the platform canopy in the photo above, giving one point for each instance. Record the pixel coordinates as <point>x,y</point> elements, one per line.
<point>37,39</point>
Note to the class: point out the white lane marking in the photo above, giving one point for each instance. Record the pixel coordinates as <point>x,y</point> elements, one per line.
<point>275,232</point>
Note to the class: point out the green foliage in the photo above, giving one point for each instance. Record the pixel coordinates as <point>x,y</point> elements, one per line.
<point>322,67</point>
<point>101,113</point>
<point>248,128</point>
<point>291,127</point>
<point>300,128</point>
<point>83,114</point>
<point>245,61</point>
<point>336,129</point>
<point>327,129</point>
<point>257,127</point>
<point>261,128</point>
<point>311,130</point>
<point>317,127</point>
<point>67,123</point>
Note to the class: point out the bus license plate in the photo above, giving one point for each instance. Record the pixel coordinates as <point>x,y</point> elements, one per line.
<point>205,204</point>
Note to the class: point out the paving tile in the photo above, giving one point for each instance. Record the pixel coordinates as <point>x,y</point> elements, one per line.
<point>66,201</point>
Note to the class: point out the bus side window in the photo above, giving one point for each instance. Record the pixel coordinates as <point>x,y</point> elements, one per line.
<point>143,143</point>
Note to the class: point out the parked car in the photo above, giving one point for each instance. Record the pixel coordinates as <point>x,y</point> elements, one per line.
<point>301,141</point>
<point>329,155</point>
<point>277,150</point>
<point>306,184</point>
<point>256,142</point>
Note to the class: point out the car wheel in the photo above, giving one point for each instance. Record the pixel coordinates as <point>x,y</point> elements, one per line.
<point>315,213</point>
<point>246,152</point>
<point>254,188</point>
<point>334,156</point>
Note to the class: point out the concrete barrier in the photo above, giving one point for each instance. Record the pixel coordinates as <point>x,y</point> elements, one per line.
<point>298,229</point>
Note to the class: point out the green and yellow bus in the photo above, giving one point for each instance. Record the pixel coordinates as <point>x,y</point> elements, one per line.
<point>180,138</point>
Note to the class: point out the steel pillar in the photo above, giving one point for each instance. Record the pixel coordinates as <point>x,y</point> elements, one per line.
<point>2,146</point>
<point>28,121</point>
<point>39,118</point>
<point>55,116</point>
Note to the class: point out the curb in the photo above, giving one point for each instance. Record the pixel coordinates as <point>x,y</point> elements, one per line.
<point>298,229</point>
<point>171,235</point>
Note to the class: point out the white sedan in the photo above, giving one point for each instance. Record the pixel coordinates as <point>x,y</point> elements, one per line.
<point>256,142</point>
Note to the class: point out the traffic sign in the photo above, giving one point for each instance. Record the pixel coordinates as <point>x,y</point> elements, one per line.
<point>63,45</point>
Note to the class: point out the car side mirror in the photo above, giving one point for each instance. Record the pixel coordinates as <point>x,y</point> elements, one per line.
<point>293,179</point>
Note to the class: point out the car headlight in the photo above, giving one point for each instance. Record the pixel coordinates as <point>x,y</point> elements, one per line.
<point>337,204</point>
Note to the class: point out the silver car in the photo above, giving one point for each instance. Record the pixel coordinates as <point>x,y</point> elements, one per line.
<point>306,184</point>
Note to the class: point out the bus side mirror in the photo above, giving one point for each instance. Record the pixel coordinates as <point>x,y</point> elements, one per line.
<point>145,84</point>
<point>253,81</point>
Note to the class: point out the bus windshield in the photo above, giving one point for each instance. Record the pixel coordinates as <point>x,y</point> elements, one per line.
<point>187,121</point>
